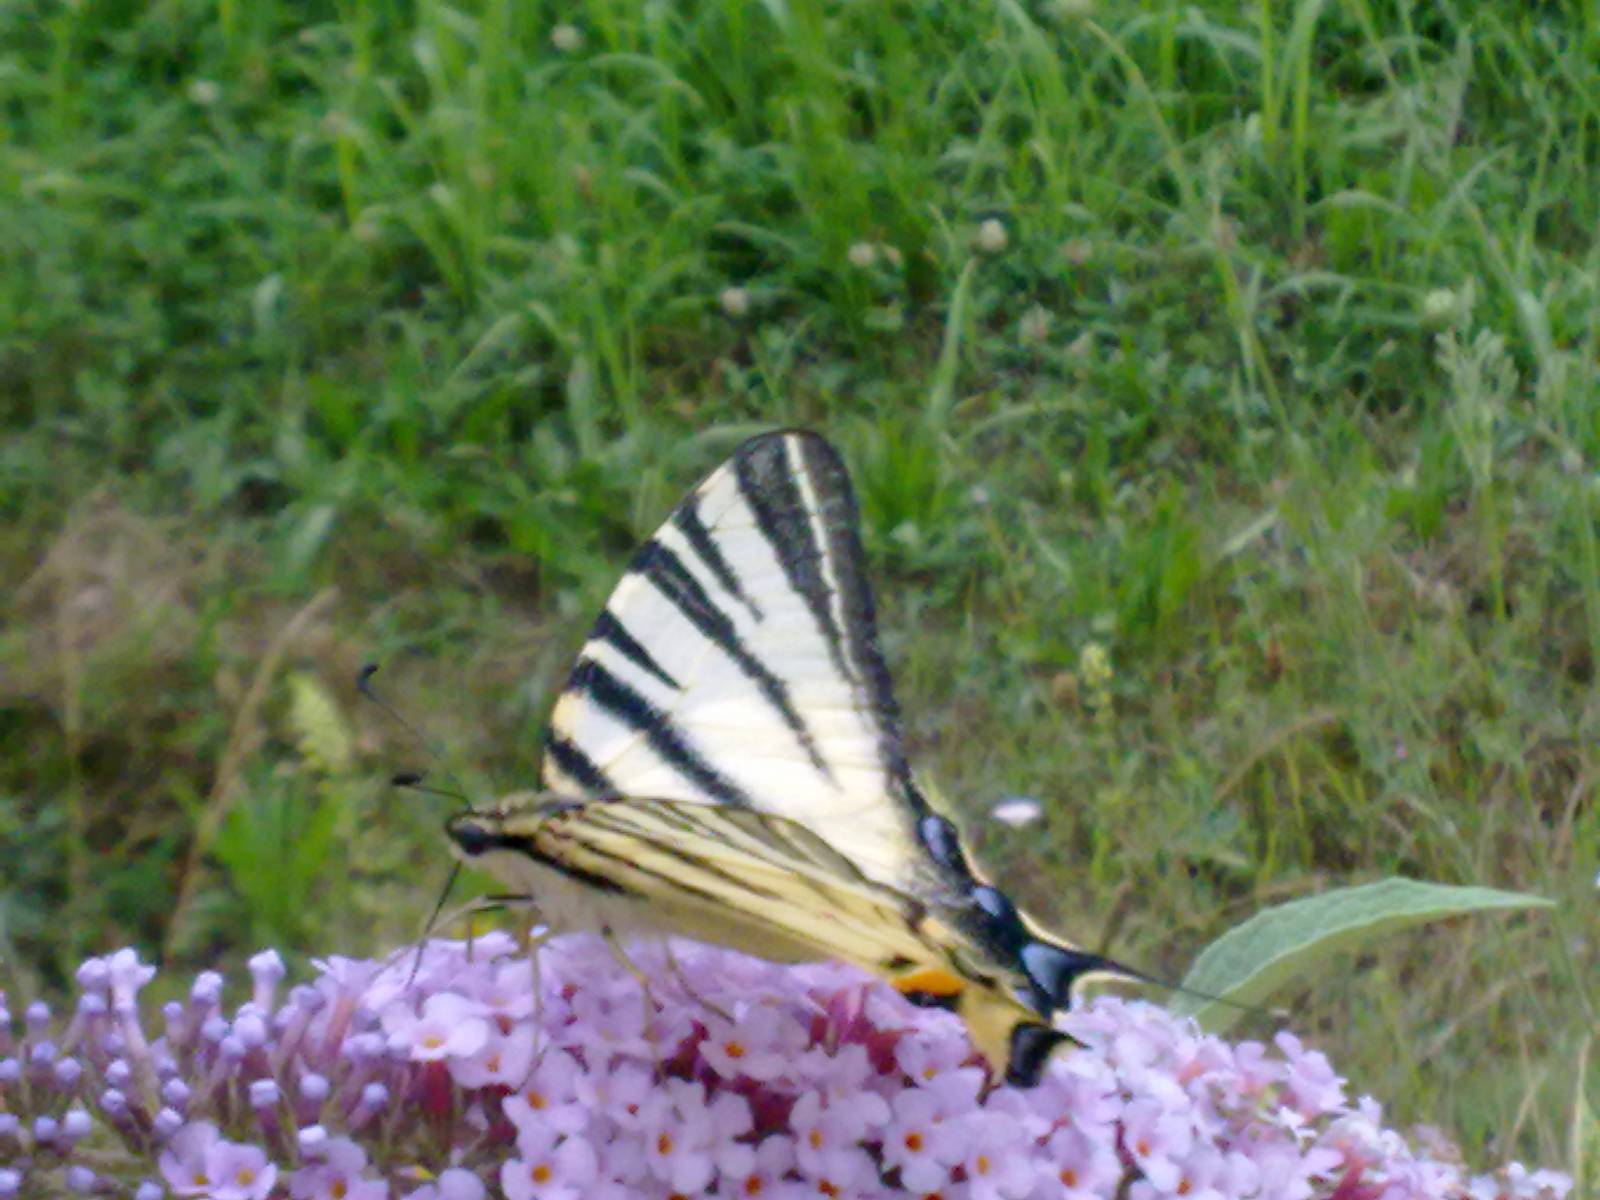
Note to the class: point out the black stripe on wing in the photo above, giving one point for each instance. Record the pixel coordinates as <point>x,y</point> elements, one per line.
<point>767,482</point>
<point>687,519</point>
<point>577,765</point>
<point>678,586</point>
<point>613,633</point>
<point>840,520</point>
<point>611,695</point>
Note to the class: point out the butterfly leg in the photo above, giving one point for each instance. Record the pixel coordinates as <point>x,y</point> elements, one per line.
<point>651,1007</point>
<point>683,981</point>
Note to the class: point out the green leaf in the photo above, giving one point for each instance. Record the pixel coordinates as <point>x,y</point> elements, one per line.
<point>1253,959</point>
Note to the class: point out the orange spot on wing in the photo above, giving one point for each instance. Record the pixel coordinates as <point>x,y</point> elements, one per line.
<point>931,981</point>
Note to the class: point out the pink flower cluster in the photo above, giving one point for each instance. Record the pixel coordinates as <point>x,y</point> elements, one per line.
<point>456,1073</point>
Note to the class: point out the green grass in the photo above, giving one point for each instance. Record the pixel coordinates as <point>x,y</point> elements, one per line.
<point>1283,392</point>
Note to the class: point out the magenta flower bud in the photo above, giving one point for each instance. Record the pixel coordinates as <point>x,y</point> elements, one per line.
<point>314,1087</point>
<point>167,1123</point>
<point>166,1066</point>
<point>91,1005</point>
<point>93,975</point>
<point>214,1029</point>
<point>10,1070</point>
<point>311,1093</point>
<point>250,1029</point>
<point>175,1094</point>
<point>80,1179</point>
<point>232,1049</point>
<point>369,1047</point>
<point>149,1189</point>
<point>46,1130</point>
<point>114,1103</point>
<point>172,1013</point>
<point>10,1127</point>
<point>307,998</point>
<point>207,989</point>
<point>264,1093</point>
<point>118,1073</point>
<point>374,1096</point>
<point>10,1182</point>
<point>128,976</point>
<point>76,1125</point>
<point>68,1072</point>
<point>267,970</point>
<point>311,1139</point>
<point>113,1044</point>
<point>37,1016</point>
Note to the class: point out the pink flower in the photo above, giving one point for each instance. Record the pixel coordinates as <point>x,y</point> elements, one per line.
<point>336,1175</point>
<point>1311,1084</point>
<point>503,1060</point>
<point>829,1134</point>
<point>924,1058</point>
<point>453,1183</point>
<point>183,1162</point>
<point>549,1097</point>
<point>546,1169</point>
<point>1154,1138</point>
<point>921,1142</point>
<point>1085,1166</point>
<point>238,1172</point>
<point>450,1027</point>
<point>761,1044</point>
<point>766,1178</point>
<point>677,1137</point>
<point>619,1092</point>
<point>999,1160</point>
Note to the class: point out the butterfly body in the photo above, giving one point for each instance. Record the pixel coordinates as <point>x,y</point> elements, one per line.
<point>725,762</point>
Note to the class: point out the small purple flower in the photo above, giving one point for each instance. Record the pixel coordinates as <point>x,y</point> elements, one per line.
<point>549,1097</point>
<point>761,1044</point>
<point>549,1166</point>
<point>450,1027</point>
<point>239,1172</point>
<point>444,1076</point>
<point>183,1163</point>
<point>921,1141</point>
<point>677,1138</point>
<point>336,1174</point>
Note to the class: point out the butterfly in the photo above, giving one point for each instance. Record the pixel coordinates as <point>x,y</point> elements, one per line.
<point>726,762</point>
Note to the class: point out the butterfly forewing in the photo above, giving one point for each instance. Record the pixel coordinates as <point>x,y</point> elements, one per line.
<point>737,663</point>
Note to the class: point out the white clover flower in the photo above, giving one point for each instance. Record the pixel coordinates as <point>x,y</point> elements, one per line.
<point>992,237</point>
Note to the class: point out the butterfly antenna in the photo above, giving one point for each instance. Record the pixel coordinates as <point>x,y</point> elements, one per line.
<point>409,779</point>
<point>433,918</point>
<point>1258,1010</point>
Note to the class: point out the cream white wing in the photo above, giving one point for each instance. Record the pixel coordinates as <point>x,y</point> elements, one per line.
<point>737,663</point>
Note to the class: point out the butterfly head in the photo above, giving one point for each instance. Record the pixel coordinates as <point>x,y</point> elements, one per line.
<point>507,826</point>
